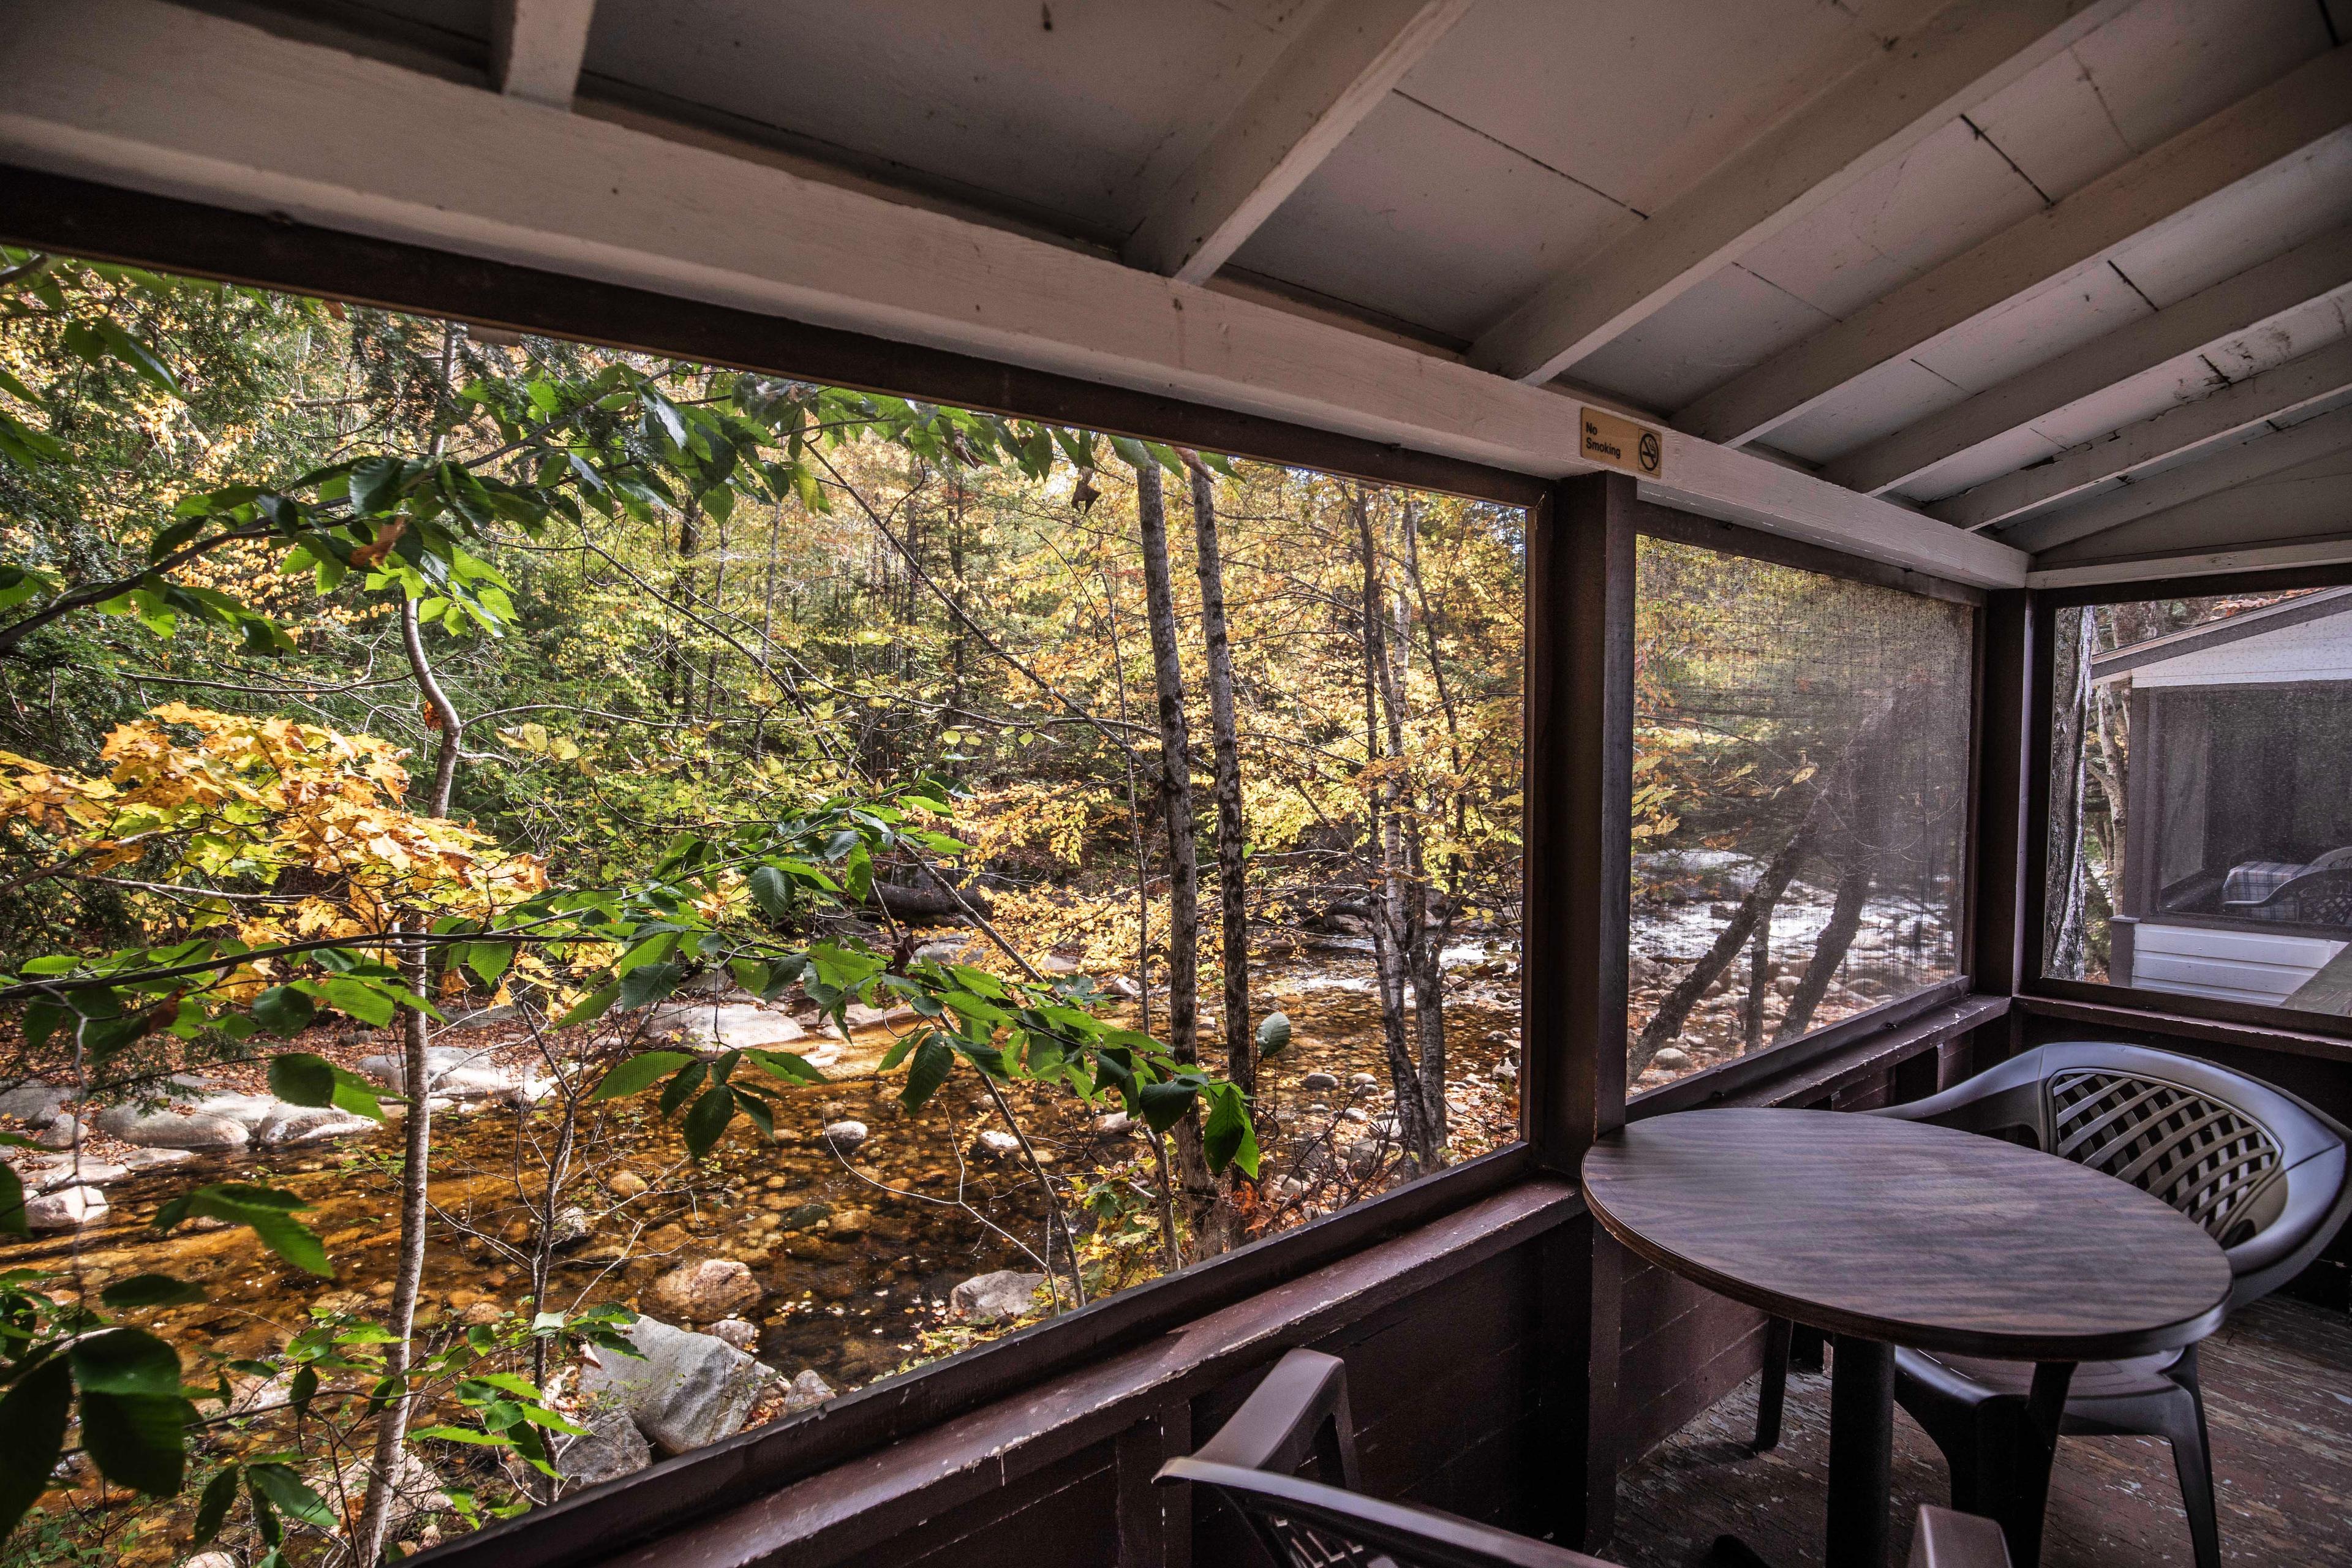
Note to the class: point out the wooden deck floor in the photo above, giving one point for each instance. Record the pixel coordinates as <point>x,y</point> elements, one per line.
<point>2278,1392</point>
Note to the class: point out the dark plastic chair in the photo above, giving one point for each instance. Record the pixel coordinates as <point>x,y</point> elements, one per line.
<point>1297,1418</point>
<point>2264,1173</point>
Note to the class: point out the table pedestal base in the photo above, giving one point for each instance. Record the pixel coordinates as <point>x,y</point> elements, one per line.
<point>1861,1453</point>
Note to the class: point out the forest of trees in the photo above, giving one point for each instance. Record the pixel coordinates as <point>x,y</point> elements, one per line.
<point>520,859</point>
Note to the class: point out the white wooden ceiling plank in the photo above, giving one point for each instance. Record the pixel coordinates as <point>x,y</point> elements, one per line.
<point>1875,118</point>
<point>2225,469</point>
<point>1424,219</point>
<point>1887,397</point>
<point>159,97</point>
<point>2299,516</point>
<point>1332,75</point>
<point>2165,65</point>
<point>2271,125</point>
<point>2235,305</point>
<point>2268,213</point>
<point>1701,340</point>
<point>2276,395</point>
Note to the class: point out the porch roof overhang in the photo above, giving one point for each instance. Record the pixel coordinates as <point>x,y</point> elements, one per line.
<point>1989,290</point>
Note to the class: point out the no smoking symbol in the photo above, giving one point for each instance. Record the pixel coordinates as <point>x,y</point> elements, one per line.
<point>1649,451</point>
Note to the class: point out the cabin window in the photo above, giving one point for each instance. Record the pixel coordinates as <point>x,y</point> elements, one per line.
<point>2200,820</point>
<point>1801,770</point>
<point>843,724</point>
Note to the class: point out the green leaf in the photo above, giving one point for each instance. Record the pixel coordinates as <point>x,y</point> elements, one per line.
<point>650,983</point>
<point>125,1361</point>
<point>32,1434</point>
<point>213,1511</point>
<point>638,1073</point>
<point>135,1440</point>
<point>689,1079</point>
<point>772,891</point>
<point>708,1120</point>
<point>13,1218</point>
<point>298,1078</point>
<point>151,1290</point>
<point>785,1065</point>
<point>928,1069</point>
<point>464,1435</point>
<point>285,1012</point>
<point>1273,1036</point>
<point>1229,1139</point>
<point>1164,1104</point>
<point>284,1490</point>
<point>345,994</point>
<point>756,1108</point>
<point>302,1390</point>
<point>590,1008</point>
<point>489,960</point>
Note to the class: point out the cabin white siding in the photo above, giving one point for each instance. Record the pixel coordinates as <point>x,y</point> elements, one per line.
<point>2234,965</point>
<point>2315,650</point>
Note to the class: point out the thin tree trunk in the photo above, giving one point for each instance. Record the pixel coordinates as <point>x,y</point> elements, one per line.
<point>2070,763</point>
<point>1184,869</point>
<point>1232,894</point>
<point>1396,895</point>
<point>1170,1252</point>
<point>1854,878</point>
<point>1759,975</point>
<point>408,1270</point>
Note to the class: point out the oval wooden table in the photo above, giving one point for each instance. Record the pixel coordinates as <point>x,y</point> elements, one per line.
<point>1885,1233</point>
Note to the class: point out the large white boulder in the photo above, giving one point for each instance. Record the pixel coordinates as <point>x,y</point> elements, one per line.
<point>169,1130</point>
<point>705,1292</point>
<point>68,1209</point>
<point>688,1390</point>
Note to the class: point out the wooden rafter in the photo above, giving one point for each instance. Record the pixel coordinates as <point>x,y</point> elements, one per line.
<point>2259,130</point>
<point>1333,75</point>
<point>536,46</point>
<point>1956,59</point>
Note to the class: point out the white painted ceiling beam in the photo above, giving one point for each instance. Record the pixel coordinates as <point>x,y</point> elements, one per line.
<point>1955,60</point>
<point>1335,73</point>
<point>536,48</point>
<point>2273,124</point>
<point>2224,471</point>
<point>2206,564</point>
<point>178,103</point>
<point>2229,308</point>
<point>2281,390</point>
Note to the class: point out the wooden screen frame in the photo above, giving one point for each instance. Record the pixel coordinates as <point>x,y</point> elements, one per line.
<point>1726,1080</point>
<point>2033,889</point>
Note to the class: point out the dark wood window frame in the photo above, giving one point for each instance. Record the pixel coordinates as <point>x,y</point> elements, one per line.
<point>2041,664</point>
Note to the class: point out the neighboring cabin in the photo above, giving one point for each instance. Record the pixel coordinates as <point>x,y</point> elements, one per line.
<point>2237,876</point>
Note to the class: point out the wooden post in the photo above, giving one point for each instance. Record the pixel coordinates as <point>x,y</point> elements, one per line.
<point>1578,787</point>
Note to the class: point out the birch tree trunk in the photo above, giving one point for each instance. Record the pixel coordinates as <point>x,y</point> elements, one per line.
<point>391,1449</point>
<point>2069,769</point>
<point>1199,1188</point>
<point>1232,893</point>
<point>1397,895</point>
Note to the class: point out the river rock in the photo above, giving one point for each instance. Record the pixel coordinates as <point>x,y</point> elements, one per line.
<point>1362,1080</point>
<point>1117,1124</point>
<point>1672,1058</point>
<point>450,1073</point>
<point>610,1449</point>
<point>996,1144</point>
<point>166,1129</point>
<point>736,1331</point>
<point>845,1135</point>
<point>247,1110</point>
<point>210,1560</point>
<point>861,1017</point>
<point>848,1225</point>
<point>806,1392</point>
<point>306,1123</point>
<point>624,1183</point>
<point>728,1025</point>
<point>570,1229</point>
<point>62,1134</point>
<point>689,1389</point>
<point>33,1102</point>
<point>1055,964</point>
<point>67,1209</point>
<point>707,1291</point>
<point>1317,1082</point>
<point>142,1159</point>
<point>994,1298</point>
